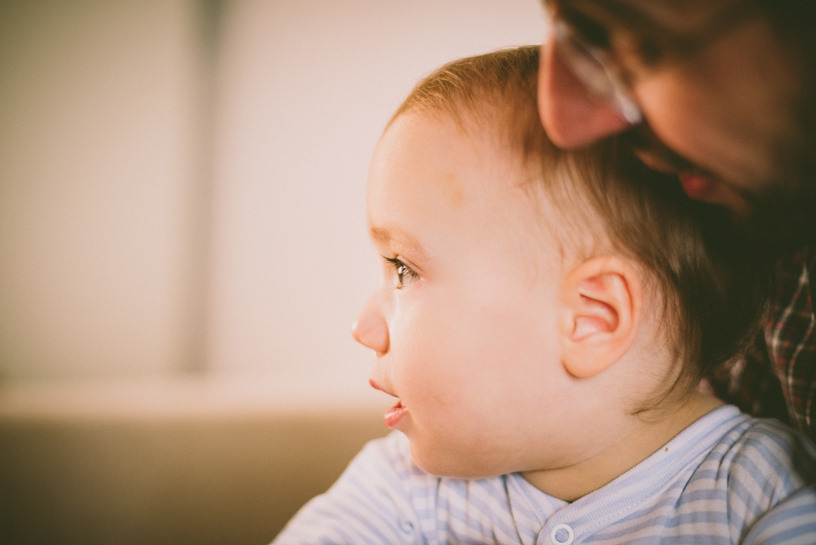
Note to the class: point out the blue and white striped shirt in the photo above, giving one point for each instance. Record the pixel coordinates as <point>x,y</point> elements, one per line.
<point>727,478</point>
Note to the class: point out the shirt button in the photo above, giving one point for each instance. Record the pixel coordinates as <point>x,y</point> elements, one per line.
<point>407,527</point>
<point>562,535</point>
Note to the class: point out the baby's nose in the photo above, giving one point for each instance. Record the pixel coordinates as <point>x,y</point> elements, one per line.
<point>371,329</point>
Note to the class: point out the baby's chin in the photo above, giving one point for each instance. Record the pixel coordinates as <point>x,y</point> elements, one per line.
<point>456,464</point>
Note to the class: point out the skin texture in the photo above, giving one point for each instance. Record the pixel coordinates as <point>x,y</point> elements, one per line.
<point>505,357</point>
<point>731,109</point>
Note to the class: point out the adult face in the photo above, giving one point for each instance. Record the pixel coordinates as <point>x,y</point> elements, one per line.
<point>712,80</point>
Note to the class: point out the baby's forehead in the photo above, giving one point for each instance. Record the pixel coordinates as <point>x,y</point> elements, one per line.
<point>431,160</point>
<point>477,141</point>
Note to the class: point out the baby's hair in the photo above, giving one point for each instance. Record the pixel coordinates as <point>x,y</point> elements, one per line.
<point>713,291</point>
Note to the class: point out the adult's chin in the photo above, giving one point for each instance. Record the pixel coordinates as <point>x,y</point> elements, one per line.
<point>710,190</point>
<point>781,223</point>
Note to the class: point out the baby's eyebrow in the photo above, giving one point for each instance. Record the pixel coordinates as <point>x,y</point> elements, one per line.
<point>396,237</point>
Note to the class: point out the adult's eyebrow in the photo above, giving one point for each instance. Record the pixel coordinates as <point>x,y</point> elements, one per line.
<point>621,13</point>
<point>397,238</point>
<point>654,18</point>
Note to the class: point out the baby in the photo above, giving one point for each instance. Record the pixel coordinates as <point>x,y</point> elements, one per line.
<point>544,320</point>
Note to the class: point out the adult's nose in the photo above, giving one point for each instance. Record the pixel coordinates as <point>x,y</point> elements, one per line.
<point>571,114</point>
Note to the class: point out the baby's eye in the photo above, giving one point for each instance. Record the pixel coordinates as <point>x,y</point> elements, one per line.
<point>405,274</point>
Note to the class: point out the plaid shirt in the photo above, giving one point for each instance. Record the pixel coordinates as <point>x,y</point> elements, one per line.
<point>777,375</point>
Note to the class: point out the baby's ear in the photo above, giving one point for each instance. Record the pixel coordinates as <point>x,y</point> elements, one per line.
<point>601,305</point>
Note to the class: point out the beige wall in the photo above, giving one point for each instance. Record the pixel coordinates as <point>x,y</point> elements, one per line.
<point>96,180</point>
<point>183,250</point>
<point>306,88</point>
<point>165,210</point>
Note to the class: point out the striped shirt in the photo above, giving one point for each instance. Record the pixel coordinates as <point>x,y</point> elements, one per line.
<point>727,478</point>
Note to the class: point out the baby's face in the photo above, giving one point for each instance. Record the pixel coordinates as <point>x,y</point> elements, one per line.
<point>464,325</point>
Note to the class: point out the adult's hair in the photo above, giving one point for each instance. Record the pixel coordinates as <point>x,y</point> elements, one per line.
<point>713,290</point>
<point>793,21</point>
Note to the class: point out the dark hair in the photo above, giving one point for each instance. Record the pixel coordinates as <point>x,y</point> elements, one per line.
<point>713,290</point>
<point>792,20</point>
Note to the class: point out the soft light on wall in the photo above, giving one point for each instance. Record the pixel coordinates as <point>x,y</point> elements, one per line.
<point>182,183</point>
<point>183,250</point>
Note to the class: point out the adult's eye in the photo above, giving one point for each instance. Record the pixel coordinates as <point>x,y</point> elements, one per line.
<point>590,31</point>
<point>650,51</point>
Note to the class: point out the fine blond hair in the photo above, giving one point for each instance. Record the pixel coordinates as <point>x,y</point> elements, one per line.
<point>714,292</point>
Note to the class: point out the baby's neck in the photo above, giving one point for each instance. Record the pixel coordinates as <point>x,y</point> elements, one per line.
<point>575,481</point>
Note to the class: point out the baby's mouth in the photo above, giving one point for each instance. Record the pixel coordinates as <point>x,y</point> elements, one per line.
<point>395,414</point>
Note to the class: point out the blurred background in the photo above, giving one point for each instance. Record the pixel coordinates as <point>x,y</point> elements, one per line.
<point>183,251</point>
